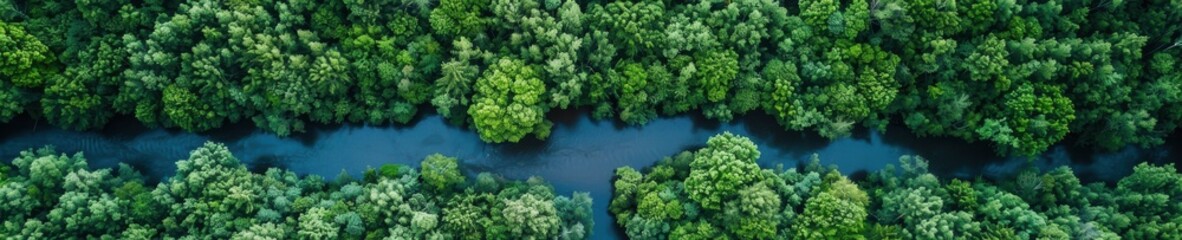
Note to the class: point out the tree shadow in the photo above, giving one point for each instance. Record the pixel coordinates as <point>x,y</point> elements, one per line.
<point>944,154</point>
<point>527,152</point>
<point>263,163</point>
<point>228,132</point>
<point>567,118</point>
<point>763,129</point>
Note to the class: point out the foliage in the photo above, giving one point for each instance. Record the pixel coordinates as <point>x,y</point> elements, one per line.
<point>214,196</point>
<point>721,169</point>
<point>904,202</point>
<point>1019,75</point>
<point>508,103</point>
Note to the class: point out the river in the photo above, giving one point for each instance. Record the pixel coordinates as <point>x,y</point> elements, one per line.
<point>580,155</point>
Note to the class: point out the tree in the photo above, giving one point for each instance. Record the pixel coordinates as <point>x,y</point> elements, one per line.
<point>38,179</point>
<point>459,18</point>
<point>635,26</point>
<point>700,230</point>
<point>11,101</point>
<point>454,87</point>
<point>26,61</point>
<point>721,169</point>
<point>265,231</point>
<point>85,208</point>
<point>441,172</point>
<point>718,70</point>
<point>222,189</point>
<point>467,216</point>
<point>530,217</point>
<point>757,212</point>
<point>837,212</point>
<point>576,215</point>
<point>83,98</point>
<point>783,102</point>
<point>1009,211</point>
<point>315,225</point>
<point>632,90</point>
<point>1039,116</point>
<point>508,103</point>
<point>68,102</point>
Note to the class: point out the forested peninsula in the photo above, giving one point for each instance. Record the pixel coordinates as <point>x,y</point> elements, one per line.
<point>1017,74</point>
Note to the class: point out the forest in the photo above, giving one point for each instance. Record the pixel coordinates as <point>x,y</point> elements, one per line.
<point>50,195</point>
<point>1019,75</point>
<point>719,192</point>
<point>715,192</point>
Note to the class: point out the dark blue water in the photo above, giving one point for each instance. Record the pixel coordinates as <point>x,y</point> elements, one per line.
<point>580,155</point>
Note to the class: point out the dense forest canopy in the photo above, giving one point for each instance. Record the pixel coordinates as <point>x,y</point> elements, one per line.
<point>718,192</point>
<point>46,195</point>
<point>1017,74</point>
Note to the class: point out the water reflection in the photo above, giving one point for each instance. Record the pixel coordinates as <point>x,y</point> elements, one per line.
<point>580,155</point>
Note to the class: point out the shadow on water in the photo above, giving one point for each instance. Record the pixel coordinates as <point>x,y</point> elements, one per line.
<point>859,175</point>
<point>14,126</point>
<point>148,167</point>
<point>1078,152</point>
<point>861,134</point>
<point>313,133</point>
<point>566,118</point>
<point>421,113</point>
<point>471,170</point>
<point>124,128</point>
<point>262,163</point>
<point>528,152</point>
<point>762,128</point>
<point>947,156</point>
<point>700,122</point>
<point>230,132</point>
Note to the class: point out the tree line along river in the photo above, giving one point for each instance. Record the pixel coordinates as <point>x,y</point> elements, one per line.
<point>580,155</point>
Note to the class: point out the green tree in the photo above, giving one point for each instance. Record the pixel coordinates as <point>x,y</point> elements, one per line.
<point>453,88</point>
<point>508,103</point>
<point>836,212</point>
<point>632,91</point>
<point>441,172</point>
<point>755,212</point>
<point>26,62</point>
<point>721,170</point>
<point>83,99</point>
<point>635,25</point>
<point>700,230</point>
<point>1039,116</point>
<point>530,217</point>
<point>460,18</point>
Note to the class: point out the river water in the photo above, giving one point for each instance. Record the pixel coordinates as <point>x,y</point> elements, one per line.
<point>580,155</point>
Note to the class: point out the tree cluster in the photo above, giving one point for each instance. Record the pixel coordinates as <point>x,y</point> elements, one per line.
<point>1019,74</point>
<point>46,195</point>
<point>718,192</point>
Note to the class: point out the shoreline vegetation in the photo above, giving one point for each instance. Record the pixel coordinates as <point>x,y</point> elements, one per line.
<point>715,192</point>
<point>1018,75</point>
<point>718,192</point>
<point>47,195</point>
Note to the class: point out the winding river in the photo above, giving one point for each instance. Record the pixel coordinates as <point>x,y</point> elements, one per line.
<point>580,155</point>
